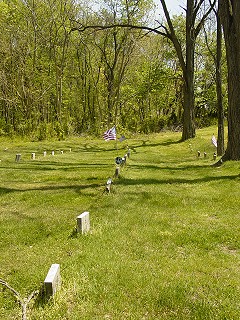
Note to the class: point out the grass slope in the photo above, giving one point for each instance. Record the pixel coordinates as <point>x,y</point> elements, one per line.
<point>164,244</point>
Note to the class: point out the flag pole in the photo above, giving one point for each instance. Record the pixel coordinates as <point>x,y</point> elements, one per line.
<point>116,138</point>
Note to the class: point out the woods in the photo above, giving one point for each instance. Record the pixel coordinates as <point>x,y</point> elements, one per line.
<point>57,81</point>
<point>68,67</point>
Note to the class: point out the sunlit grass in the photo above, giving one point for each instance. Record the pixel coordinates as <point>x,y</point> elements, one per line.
<point>164,244</point>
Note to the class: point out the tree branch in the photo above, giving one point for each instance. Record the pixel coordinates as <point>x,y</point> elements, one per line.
<point>200,24</point>
<point>82,28</point>
<point>23,302</point>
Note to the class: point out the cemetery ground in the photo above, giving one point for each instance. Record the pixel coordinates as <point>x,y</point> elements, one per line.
<point>163,244</point>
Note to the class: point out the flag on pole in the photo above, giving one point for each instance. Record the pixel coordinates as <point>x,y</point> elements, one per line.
<point>110,134</point>
<point>214,141</point>
<point>122,138</point>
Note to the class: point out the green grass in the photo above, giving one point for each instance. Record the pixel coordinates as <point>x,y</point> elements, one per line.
<point>164,244</point>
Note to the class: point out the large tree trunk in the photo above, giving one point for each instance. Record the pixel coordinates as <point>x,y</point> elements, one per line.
<point>230,18</point>
<point>220,140</point>
<point>188,113</point>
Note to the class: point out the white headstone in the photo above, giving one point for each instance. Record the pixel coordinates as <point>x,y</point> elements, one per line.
<point>83,222</point>
<point>33,156</point>
<point>52,281</point>
<point>52,153</point>
<point>61,152</point>
<point>44,153</point>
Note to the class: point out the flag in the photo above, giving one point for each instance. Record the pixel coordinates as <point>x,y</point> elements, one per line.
<point>110,134</point>
<point>122,138</point>
<point>214,141</point>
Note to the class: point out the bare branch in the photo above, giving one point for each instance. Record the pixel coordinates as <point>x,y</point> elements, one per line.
<point>82,28</point>
<point>23,302</point>
<point>200,24</point>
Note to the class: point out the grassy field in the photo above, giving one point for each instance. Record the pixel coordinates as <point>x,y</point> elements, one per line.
<point>164,244</point>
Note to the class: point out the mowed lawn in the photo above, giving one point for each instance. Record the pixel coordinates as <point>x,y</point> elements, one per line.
<point>164,244</point>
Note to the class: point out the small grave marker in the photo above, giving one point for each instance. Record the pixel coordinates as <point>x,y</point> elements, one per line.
<point>199,154</point>
<point>52,281</point>
<point>18,157</point>
<point>117,172</point>
<point>124,160</point>
<point>108,185</point>
<point>61,152</point>
<point>52,153</point>
<point>44,153</point>
<point>33,156</point>
<point>205,154</point>
<point>83,222</point>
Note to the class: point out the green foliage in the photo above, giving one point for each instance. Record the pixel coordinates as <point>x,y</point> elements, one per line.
<point>55,81</point>
<point>164,244</point>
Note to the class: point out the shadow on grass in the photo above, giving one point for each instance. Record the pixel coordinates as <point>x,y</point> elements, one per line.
<point>125,182</point>
<point>175,180</point>
<point>173,166</point>
<point>77,188</point>
<point>50,166</point>
<point>145,143</point>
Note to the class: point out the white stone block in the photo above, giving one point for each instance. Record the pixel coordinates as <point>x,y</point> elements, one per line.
<point>33,156</point>
<point>44,153</point>
<point>83,222</point>
<point>52,282</point>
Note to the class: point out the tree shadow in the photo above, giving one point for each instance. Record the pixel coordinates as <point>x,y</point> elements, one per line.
<point>159,144</point>
<point>176,181</point>
<point>76,188</point>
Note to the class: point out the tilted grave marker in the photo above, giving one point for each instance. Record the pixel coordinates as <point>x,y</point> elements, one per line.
<point>83,222</point>
<point>52,282</point>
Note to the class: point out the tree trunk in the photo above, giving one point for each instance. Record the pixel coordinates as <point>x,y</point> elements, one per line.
<point>230,18</point>
<point>220,140</point>
<point>188,113</point>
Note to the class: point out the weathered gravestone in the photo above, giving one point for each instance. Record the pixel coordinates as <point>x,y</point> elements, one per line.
<point>44,153</point>
<point>117,172</point>
<point>52,282</point>
<point>52,153</point>
<point>108,185</point>
<point>18,157</point>
<point>83,222</point>
<point>33,156</point>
